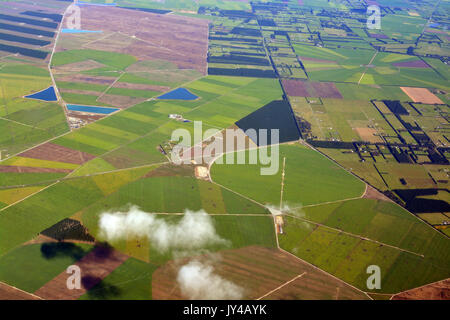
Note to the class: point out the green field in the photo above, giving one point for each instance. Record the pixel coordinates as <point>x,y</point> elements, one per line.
<point>23,221</point>
<point>24,122</point>
<point>132,280</point>
<point>29,267</point>
<point>310,179</point>
<point>359,233</point>
<point>112,59</point>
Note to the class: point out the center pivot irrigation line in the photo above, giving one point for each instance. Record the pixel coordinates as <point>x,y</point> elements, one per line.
<point>282,183</point>
<point>283,285</point>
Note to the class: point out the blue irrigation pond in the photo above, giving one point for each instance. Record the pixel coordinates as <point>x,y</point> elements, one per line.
<point>275,115</point>
<point>91,109</point>
<point>178,94</point>
<point>44,95</point>
<point>79,31</point>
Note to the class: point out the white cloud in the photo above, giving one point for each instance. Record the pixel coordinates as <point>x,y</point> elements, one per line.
<point>194,231</point>
<point>198,281</point>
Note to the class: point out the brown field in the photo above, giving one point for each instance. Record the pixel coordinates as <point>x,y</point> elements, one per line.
<point>136,86</point>
<point>412,64</point>
<point>77,66</point>
<point>87,79</point>
<point>435,291</point>
<point>318,60</point>
<point>261,270</point>
<point>297,88</point>
<point>120,101</point>
<point>95,266</point>
<point>368,134</point>
<point>421,95</point>
<point>53,6</point>
<point>181,40</point>
<point>11,293</point>
<point>53,152</point>
<point>113,41</point>
<point>86,117</point>
<point>208,158</point>
<point>170,169</point>
<point>21,169</point>
<point>372,193</point>
<point>83,92</point>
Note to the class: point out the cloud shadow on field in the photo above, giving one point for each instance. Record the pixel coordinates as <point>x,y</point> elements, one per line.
<point>98,289</point>
<point>58,249</point>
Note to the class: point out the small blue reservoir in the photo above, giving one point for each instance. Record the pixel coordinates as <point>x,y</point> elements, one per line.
<point>44,95</point>
<point>91,109</point>
<point>178,94</point>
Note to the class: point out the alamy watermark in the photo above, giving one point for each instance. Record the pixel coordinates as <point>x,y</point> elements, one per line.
<point>224,146</point>
<point>73,20</point>
<point>374,17</point>
<point>374,280</point>
<point>74,280</point>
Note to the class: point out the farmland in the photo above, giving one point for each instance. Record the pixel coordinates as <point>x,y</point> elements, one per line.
<point>90,116</point>
<point>300,162</point>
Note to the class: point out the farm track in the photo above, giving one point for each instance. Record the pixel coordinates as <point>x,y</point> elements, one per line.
<point>367,67</point>
<point>49,67</point>
<point>110,86</point>
<point>23,124</point>
<point>281,286</point>
<point>9,292</point>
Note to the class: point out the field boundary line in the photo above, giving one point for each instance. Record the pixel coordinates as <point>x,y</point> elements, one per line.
<point>30,195</point>
<point>239,194</point>
<point>367,67</point>
<point>20,290</point>
<point>283,285</point>
<point>328,202</point>
<point>151,44</point>
<point>110,86</point>
<point>356,236</point>
<point>317,268</point>
<point>23,124</point>
<point>99,39</point>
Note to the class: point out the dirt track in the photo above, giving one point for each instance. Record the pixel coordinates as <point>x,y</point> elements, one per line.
<point>10,293</point>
